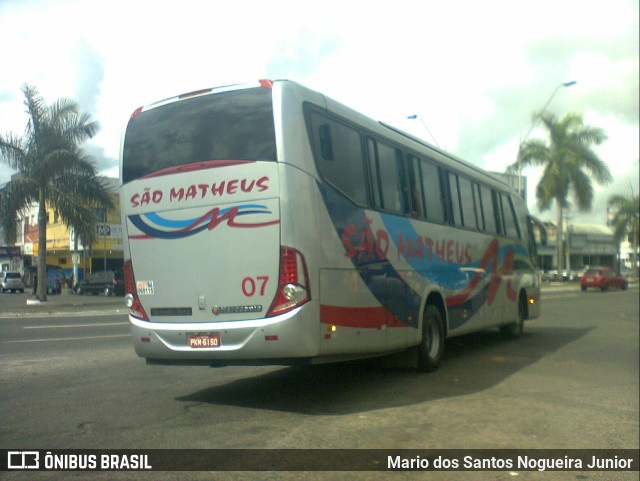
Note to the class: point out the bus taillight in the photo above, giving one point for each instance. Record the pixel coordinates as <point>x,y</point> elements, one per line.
<point>131,293</point>
<point>293,286</point>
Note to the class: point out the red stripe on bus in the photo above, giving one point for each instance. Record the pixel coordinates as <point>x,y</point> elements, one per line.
<point>207,164</point>
<point>365,317</point>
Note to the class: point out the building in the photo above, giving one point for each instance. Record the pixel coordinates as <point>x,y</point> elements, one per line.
<point>583,245</point>
<point>10,258</point>
<point>627,257</point>
<point>64,255</point>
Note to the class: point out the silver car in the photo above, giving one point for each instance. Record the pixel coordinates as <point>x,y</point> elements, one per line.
<point>12,281</point>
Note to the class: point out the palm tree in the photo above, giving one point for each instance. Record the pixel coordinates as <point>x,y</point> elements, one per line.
<point>569,164</point>
<point>626,222</point>
<point>53,173</point>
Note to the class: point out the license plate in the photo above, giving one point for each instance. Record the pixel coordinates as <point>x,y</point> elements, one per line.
<point>198,341</point>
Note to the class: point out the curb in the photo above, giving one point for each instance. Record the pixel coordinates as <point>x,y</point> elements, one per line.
<point>63,307</point>
<point>59,313</point>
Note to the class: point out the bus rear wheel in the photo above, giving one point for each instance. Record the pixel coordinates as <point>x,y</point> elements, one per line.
<point>431,348</point>
<point>516,329</point>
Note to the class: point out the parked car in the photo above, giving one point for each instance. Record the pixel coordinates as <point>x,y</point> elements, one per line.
<point>107,283</point>
<point>602,278</point>
<point>12,281</point>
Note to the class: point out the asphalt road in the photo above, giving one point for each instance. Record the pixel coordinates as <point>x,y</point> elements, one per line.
<point>572,381</point>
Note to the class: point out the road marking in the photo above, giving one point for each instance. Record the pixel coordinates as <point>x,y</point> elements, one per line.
<point>27,361</point>
<point>84,338</point>
<point>60,326</point>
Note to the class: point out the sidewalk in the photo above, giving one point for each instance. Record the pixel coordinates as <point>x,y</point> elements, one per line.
<point>26,305</point>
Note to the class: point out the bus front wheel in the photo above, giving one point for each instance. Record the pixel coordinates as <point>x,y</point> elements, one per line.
<point>431,349</point>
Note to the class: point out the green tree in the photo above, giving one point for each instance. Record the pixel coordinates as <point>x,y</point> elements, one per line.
<point>626,223</point>
<point>569,165</point>
<point>53,172</point>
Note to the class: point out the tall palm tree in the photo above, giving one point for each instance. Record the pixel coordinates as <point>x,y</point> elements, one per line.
<point>53,172</point>
<point>626,222</point>
<point>569,165</point>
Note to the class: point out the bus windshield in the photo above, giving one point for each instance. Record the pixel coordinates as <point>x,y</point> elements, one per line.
<point>235,125</point>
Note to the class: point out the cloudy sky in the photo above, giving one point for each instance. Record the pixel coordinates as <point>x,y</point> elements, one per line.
<point>475,72</point>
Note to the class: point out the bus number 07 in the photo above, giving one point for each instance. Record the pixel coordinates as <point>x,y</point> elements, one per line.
<point>250,285</point>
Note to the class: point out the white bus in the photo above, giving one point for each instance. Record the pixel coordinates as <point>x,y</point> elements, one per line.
<point>269,224</point>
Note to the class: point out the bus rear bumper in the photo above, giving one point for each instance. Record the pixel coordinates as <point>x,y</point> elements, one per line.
<point>292,335</point>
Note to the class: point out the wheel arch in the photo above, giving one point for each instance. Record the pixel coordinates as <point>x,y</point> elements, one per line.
<point>522,300</point>
<point>436,298</point>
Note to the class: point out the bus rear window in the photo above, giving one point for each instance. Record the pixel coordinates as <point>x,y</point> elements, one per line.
<point>235,125</point>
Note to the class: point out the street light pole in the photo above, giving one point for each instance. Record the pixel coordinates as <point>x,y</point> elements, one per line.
<point>537,118</point>
<point>533,125</point>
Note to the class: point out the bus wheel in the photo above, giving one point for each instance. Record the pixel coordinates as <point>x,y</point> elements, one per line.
<point>431,349</point>
<point>515,329</point>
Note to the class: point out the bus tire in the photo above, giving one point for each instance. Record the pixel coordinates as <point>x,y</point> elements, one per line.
<point>431,348</point>
<point>515,330</point>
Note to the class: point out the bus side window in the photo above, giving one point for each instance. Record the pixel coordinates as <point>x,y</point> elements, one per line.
<point>387,177</point>
<point>489,211</point>
<point>467,203</point>
<point>531,239</point>
<point>454,196</point>
<point>326,147</point>
<point>374,171</point>
<point>405,195</point>
<point>479,207</point>
<point>339,157</point>
<point>508,214</point>
<point>414,171</point>
<point>497,203</point>
<point>433,192</point>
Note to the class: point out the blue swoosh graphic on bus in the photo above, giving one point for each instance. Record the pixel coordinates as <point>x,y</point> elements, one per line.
<point>470,283</point>
<point>397,226</point>
<point>154,226</point>
<point>158,220</point>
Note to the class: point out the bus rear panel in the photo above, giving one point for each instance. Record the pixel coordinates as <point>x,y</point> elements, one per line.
<point>207,276</point>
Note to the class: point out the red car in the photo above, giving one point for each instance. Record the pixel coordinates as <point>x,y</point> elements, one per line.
<point>602,278</point>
